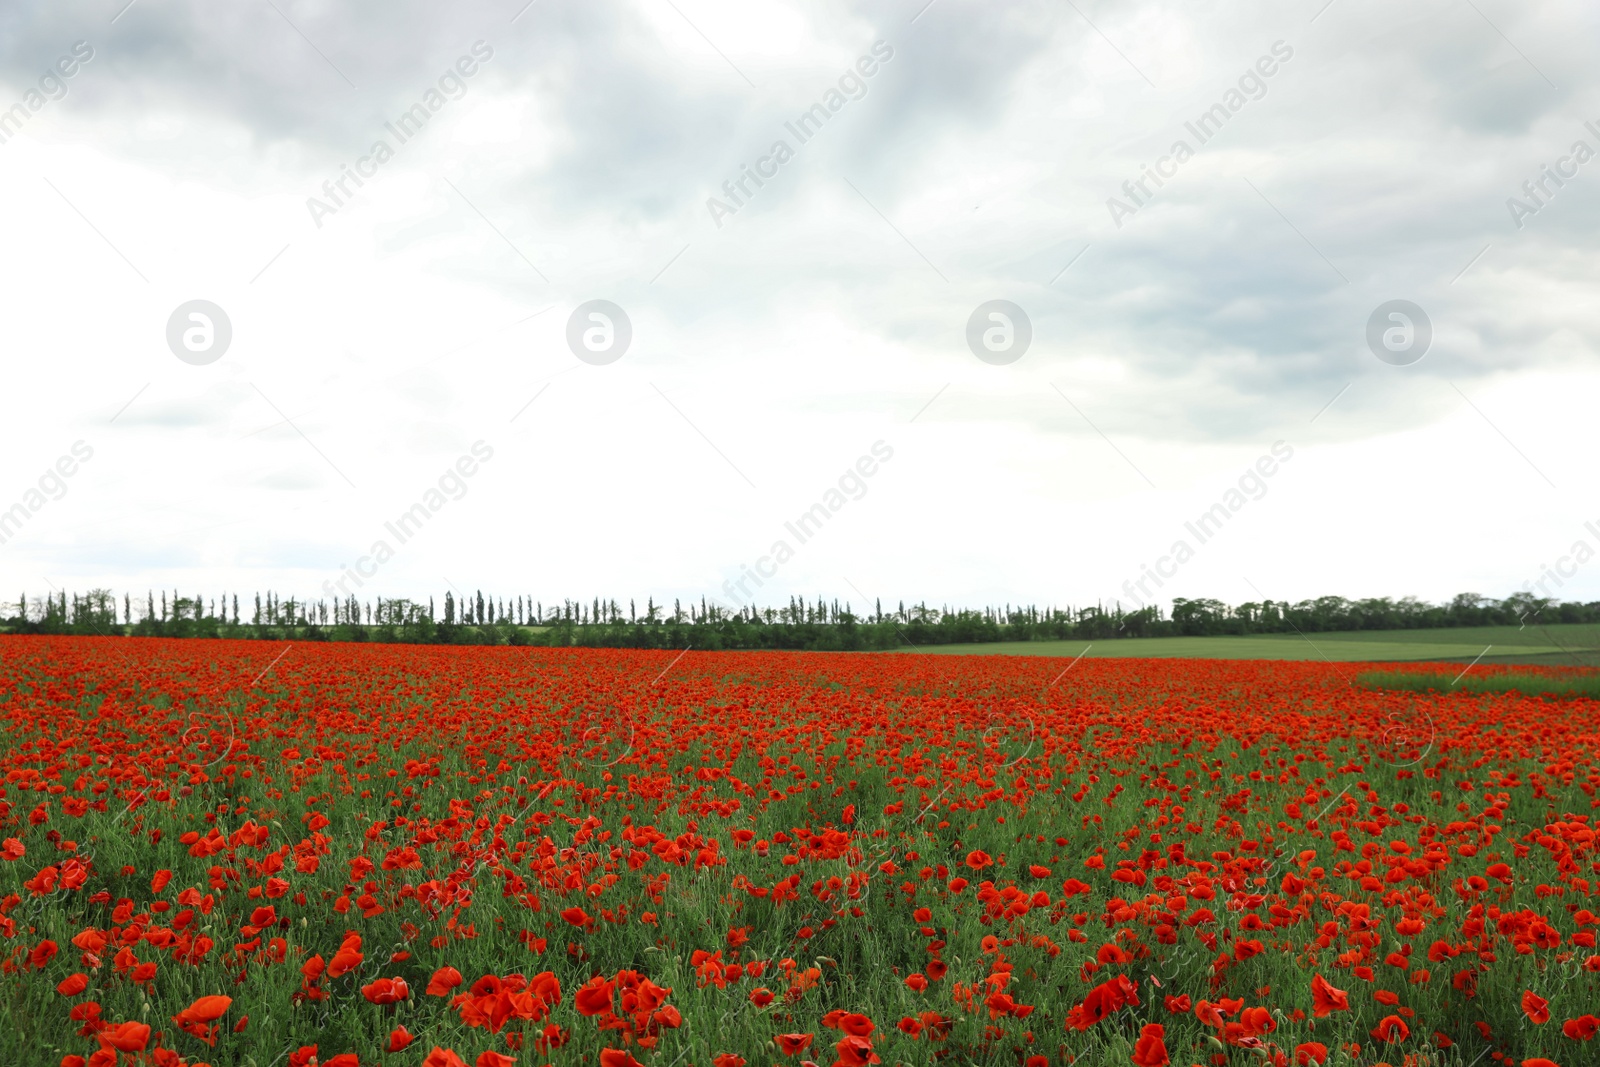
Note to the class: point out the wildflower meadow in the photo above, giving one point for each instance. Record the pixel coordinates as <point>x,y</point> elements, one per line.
<point>265,853</point>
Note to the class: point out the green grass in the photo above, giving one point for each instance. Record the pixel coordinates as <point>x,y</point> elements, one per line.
<point>1585,686</point>
<point>1572,645</point>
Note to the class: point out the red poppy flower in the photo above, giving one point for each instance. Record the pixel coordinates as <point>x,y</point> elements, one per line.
<point>551,1037</point>
<point>1391,1028</point>
<point>594,996</point>
<point>344,961</point>
<point>855,1051</point>
<point>547,987</point>
<point>399,1038</point>
<point>42,953</point>
<point>978,859</point>
<point>1583,1028</point>
<point>793,1044</point>
<point>386,990</point>
<point>1003,1004</point>
<point>1110,955</point>
<point>1102,1000</point>
<point>443,981</point>
<point>1257,1020</point>
<point>72,985</point>
<point>125,1037</point>
<point>1535,1007</point>
<point>1151,1050</point>
<point>1310,1052</point>
<point>443,1057</point>
<point>616,1057</point>
<point>206,1009</point>
<point>1325,999</point>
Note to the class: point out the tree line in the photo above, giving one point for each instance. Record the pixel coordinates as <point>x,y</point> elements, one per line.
<point>800,624</point>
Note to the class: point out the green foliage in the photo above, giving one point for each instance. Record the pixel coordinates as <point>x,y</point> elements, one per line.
<point>822,626</point>
<point>1565,686</point>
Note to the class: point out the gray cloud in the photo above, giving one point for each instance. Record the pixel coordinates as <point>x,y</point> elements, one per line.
<point>1383,152</point>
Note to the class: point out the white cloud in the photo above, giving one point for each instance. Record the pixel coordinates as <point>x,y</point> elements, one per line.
<point>1224,315</point>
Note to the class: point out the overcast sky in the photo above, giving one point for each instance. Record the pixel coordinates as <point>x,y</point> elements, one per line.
<point>781,331</point>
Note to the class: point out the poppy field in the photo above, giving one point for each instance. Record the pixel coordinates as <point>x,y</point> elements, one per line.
<point>256,853</point>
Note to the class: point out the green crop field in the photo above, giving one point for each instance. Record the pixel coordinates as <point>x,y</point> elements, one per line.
<point>1569,645</point>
